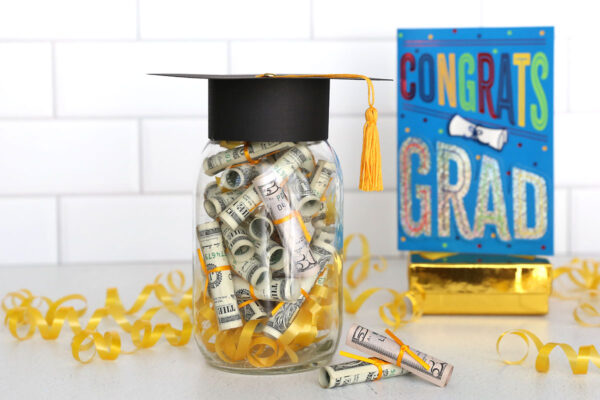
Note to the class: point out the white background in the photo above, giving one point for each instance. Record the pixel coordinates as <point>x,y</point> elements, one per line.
<point>97,159</point>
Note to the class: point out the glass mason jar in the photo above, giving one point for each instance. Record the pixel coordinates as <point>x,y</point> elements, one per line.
<point>269,237</point>
<point>268,228</point>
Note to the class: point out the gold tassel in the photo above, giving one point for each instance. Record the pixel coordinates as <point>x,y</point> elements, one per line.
<point>370,160</point>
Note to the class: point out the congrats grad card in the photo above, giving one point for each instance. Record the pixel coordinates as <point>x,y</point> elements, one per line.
<point>475,148</point>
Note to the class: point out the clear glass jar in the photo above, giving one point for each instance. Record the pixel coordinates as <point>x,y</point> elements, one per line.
<point>268,218</point>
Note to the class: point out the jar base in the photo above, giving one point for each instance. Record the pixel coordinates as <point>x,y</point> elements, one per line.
<point>275,370</point>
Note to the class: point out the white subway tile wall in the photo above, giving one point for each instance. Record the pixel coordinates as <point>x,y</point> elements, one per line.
<point>98,160</point>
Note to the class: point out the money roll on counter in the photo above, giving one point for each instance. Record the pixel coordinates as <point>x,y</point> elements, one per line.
<point>386,349</point>
<point>356,371</point>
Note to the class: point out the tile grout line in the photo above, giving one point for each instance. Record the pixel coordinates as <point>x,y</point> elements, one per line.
<point>140,155</point>
<point>58,232</point>
<point>568,78</point>
<point>311,20</point>
<point>138,28</point>
<point>569,227</point>
<point>53,75</point>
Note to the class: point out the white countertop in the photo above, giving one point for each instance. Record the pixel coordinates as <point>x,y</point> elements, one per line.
<point>46,369</point>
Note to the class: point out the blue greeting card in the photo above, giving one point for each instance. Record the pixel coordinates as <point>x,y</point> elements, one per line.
<point>475,148</point>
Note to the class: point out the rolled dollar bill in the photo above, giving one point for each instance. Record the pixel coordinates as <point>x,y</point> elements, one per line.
<point>322,178</point>
<point>211,190</point>
<point>290,161</point>
<point>281,320</point>
<point>252,270</point>
<point>238,242</point>
<point>240,176</point>
<point>260,226</point>
<point>254,151</point>
<point>325,234</point>
<point>320,219</point>
<point>217,203</point>
<point>302,195</point>
<point>274,289</point>
<point>357,371</point>
<point>220,283</point>
<point>251,309</point>
<point>273,254</point>
<point>241,208</point>
<point>387,349</point>
<point>288,223</point>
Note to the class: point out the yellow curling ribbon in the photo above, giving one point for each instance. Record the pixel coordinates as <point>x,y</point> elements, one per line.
<point>583,279</point>
<point>313,322</point>
<point>24,318</point>
<point>245,344</point>
<point>405,307</point>
<point>578,361</point>
<point>371,360</point>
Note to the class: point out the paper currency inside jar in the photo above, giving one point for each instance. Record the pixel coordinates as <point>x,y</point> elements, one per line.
<point>268,239</point>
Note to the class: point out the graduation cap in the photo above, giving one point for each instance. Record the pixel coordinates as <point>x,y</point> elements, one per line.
<point>285,108</point>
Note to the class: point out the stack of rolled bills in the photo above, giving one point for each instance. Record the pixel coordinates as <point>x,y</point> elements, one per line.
<point>268,241</point>
<point>390,359</point>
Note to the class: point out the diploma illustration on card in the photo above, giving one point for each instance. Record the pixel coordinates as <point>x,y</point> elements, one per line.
<point>475,140</point>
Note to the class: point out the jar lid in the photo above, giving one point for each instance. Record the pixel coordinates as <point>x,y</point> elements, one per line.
<point>258,108</point>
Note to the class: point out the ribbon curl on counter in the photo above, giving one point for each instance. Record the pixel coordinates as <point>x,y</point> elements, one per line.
<point>25,315</point>
<point>405,307</point>
<point>23,318</point>
<point>584,279</point>
<point>578,361</point>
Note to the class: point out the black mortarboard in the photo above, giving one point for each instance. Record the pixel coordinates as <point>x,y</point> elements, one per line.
<point>283,108</point>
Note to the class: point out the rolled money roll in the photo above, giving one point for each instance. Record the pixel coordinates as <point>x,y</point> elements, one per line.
<point>220,283</point>
<point>274,255</point>
<point>256,150</point>
<point>386,349</point>
<point>251,310</point>
<point>323,253</point>
<point>325,234</point>
<point>241,208</point>
<point>211,190</point>
<point>322,178</point>
<point>279,322</point>
<point>319,220</point>
<point>290,161</point>
<point>260,227</point>
<point>240,176</point>
<point>302,195</point>
<point>357,371</point>
<point>238,242</point>
<point>289,224</point>
<point>217,203</point>
<point>275,289</point>
<point>252,270</point>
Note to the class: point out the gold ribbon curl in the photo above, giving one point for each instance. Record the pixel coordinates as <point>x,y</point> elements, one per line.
<point>584,279</point>
<point>23,318</point>
<point>404,307</point>
<point>578,361</point>
<point>317,314</point>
